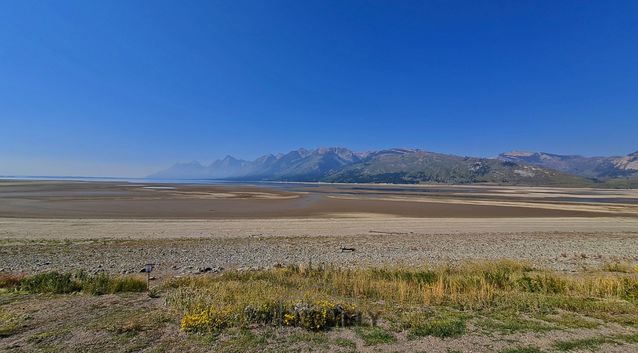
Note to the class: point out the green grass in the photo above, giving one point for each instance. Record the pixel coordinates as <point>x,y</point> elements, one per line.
<point>8,328</point>
<point>50,282</point>
<point>437,326</point>
<point>105,284</point>
<point>628,338</point>
<point>316,338</point>
<point>240,340</point>
<point>507,323</point>
<point>570,320</point>
<point>63,283</point>
<point>580,344</point>
<point>522,350</point>
<point>133,320</point>
<point>344,342</point>
<point>11,324</point>
<point>373,336</point>
<point>438,322</point>
<point>243,341</point>
<point>40,337</point>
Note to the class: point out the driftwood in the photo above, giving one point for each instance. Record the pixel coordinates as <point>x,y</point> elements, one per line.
<point>344,249</point>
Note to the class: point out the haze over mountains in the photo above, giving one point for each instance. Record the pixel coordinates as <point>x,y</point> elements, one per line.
<point>589,167</point>
<point>399,165</point>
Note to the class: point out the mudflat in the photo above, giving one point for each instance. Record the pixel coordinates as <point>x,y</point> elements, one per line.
<point>117,200</point>
<point>116,227</point>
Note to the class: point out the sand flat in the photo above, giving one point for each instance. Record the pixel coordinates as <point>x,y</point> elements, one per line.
<point>69,200</point>
<point>343,226</point>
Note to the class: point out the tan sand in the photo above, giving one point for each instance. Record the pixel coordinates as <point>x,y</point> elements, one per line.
<point>72,200</point>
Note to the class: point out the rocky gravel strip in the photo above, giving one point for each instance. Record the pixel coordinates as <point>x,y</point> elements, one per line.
<point>564,251</point>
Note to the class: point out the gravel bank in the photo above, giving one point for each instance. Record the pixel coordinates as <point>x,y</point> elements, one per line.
<point>565,251</point>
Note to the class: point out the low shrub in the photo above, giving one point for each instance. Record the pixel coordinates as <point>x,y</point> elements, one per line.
<point>50,282</point>
<point>9,281</point>
<point>61,283</point>
<point>622,267</point>
<point>542,283</point>
<point>311,315</point>
<point>104,284</point>
<point>97,285</point>
<point>264,313</point>
<point>207,321</point>
<point>629,289</point>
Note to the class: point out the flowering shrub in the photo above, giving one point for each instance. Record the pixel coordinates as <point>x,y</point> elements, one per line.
<point>290,319</point>
<point>315,315</point>
<point>264,313</point>
<point>210,320</point>
<point>322,314</point>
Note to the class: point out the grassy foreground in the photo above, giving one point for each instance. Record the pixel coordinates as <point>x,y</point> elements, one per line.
<point>325,308</point>
<point>423,301</point>
<point>64,283</point>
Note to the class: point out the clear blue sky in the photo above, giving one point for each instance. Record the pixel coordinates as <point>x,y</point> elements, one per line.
<point>128,87</point>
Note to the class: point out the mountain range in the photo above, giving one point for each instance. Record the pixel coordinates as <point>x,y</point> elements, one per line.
<point>401,165</point>
<point>589,167</point>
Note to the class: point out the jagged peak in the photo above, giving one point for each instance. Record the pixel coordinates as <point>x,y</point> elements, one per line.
<point>331,149</point>
<point>266,156</point>
<point>518,153</point>
<point>399,150</point>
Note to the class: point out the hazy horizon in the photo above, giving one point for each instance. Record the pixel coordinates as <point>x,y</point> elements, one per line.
<point>125,89</point>
<point>107,171</point>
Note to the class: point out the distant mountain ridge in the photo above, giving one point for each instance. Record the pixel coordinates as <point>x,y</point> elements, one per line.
<point>299,164</point>
<point>588,167</point>
<point>404,165</point>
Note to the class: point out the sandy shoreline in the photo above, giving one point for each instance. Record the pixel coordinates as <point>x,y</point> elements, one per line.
<point>81,229</point>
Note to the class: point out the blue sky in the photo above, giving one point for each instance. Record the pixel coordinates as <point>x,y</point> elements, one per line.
<point>123,88</point>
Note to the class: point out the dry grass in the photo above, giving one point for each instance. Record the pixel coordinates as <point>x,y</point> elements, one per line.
<point>287,309</point>
<point>11,323</point>
<point>10,281</point>
<point>623,267</point>
<point>396,294</point>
